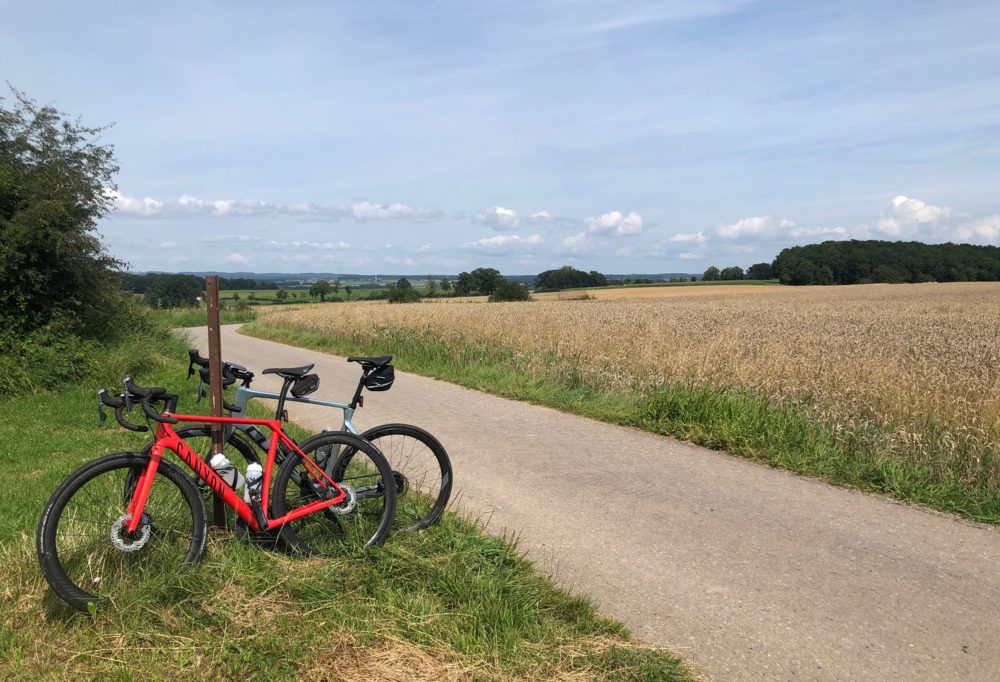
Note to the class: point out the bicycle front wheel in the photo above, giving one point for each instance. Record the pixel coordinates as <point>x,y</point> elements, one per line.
<point>86,554</point>
<point>362,520</point>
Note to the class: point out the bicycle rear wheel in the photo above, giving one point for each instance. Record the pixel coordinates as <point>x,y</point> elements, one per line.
<point>84,551</point>
<point>362,521</point>
<point>421,469</point>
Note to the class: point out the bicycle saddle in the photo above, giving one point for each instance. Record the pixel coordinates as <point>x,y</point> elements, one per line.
<point>373,362</point>
<point>289,372</point>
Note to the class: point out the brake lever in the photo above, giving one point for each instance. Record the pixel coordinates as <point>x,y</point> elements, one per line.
<point>101,415</point>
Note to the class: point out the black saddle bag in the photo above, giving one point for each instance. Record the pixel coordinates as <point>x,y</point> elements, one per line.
<point>303,386</point>
<point>380,378</point>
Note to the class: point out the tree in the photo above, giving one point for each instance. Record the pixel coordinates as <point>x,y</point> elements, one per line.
<point>568,277</point>
<point>482,281</point>
<point>320,288</point>
<point>174,291</point>
<point>236,297</point>
<point>349,290</point>
<point>465,285</point>
<point>733,272</point>
<point>711,274</point>
<point>445,284</point>
<point>510,290</point>
<point>403,292</point>
<point>336,286</point>
<point>431,287</point>
<point>251,296</point>
<point>282,295</point>
<point>760,271</point>
<point>56,182</point>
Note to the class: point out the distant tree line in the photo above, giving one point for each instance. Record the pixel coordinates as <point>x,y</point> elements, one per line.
<point>161,290</point>
<point>861,262</point>
<point>568,277</point>
<point>245,283</point>
<point>735,272</point>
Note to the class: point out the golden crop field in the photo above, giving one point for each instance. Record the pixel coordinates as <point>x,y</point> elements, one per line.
<point>887,354</point>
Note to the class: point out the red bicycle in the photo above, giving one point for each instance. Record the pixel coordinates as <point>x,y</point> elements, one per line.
<point>130,515</point>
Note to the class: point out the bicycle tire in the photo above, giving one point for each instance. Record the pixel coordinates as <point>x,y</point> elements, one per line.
<point>366,525</point>
<point>55,555</point>
<point>422,472</point>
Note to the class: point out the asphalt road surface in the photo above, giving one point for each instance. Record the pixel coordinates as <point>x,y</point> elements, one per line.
<point>749,572</point>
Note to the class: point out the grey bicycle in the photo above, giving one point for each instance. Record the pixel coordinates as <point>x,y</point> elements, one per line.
<point>421,467</point>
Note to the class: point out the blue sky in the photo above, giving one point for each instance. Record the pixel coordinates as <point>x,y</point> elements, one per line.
<point>416,137</point>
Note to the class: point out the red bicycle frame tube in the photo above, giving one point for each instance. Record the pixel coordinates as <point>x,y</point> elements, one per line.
<point>167,439</point>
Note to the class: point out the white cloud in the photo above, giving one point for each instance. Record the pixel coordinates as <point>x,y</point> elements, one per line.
<point>575,243</point>
<point>753,226</point>
<point>903,218</point>
<point>168,245</point>
<point>311,245</point>
<point>364,211</point>
<point>985,229</point>
<point>397,260</point>
<point>832,232</point>
<point>692,237</point>
<point>615,223</point>
<point>541,217</point>
<point>503,241</point>
<point>907,217</point>
<point>225,207</point>
<point>499,218</point>
<point>219,238</point>
<point>147,206</point>
<point>237,258</point>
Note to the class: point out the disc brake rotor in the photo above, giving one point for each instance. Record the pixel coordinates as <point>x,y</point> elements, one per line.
<point>130,542</point>
<point>347,506</point>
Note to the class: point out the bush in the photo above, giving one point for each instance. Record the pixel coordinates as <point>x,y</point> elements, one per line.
<point>402,292</point>
<point>56,182</point>
<point>510,291</point>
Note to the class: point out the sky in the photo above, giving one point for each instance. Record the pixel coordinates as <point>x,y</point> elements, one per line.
<point>435,137</point>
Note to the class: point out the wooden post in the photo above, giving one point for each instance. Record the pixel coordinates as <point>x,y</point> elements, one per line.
<point>215,383</point>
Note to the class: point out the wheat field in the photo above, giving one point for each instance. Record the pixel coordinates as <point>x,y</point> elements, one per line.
<point>921,362</point>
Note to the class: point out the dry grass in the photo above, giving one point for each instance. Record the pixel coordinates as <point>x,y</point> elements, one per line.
<point>922,362</point>
<point>644,293</point>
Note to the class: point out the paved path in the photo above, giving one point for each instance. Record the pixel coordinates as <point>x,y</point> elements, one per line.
<point>752,573</point>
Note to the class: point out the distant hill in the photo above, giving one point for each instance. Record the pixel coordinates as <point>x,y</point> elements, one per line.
<point>301,277</point>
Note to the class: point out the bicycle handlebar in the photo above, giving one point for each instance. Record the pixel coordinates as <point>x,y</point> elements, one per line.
<point>231,372</point>
<point>117,404</point>
<point>148,396</point>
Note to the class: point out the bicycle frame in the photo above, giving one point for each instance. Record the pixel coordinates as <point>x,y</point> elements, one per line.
<point>244,395</point>
<point>167,439</point>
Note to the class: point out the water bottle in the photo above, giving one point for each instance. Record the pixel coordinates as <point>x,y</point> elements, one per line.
<point>255,475</point>
<point>226,470</point>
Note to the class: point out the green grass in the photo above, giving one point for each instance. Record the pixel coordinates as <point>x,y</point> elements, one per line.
<point>449,601</point>
<point>270,296</point>
<point>198,317</point>
<point>787,435</point>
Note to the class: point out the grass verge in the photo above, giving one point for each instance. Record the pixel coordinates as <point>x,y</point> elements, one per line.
<point>198,317</point>
<point>447,603</point>
<point>791,436</point>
